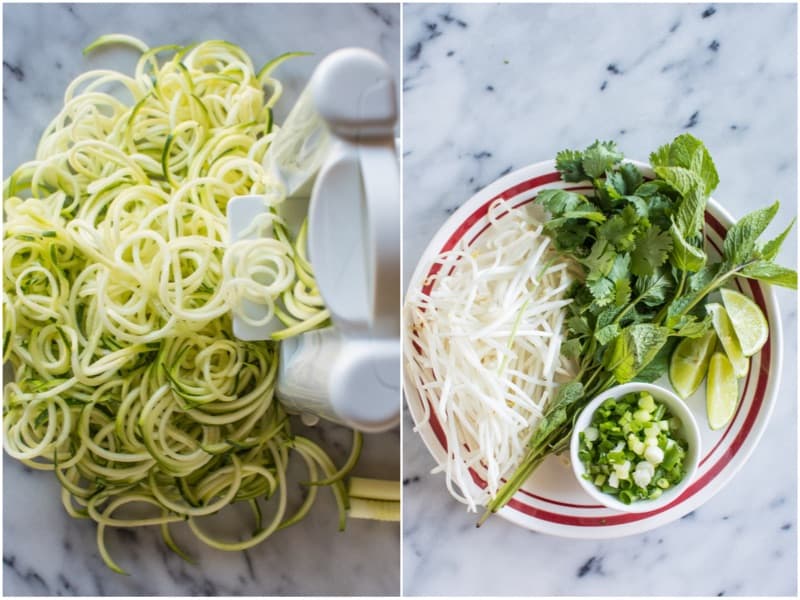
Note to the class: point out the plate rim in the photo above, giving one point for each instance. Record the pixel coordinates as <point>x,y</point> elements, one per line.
<point>763,416</point>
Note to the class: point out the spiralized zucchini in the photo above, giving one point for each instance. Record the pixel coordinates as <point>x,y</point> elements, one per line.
<point>117,292</point>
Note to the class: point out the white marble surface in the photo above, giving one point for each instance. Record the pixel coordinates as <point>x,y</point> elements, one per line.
<point>45,552</point>
<point>492,88</point>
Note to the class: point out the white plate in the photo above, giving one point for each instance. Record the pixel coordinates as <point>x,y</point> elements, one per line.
<point>552,501</point>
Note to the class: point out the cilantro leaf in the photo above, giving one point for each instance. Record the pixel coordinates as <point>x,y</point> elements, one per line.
<point>650,252</point>
<point>600,259</point>
<point>557,202</point>
<point>572,348</point>
<point>656,209</point>
<point>632,177</point>
<point>649,188</point>
<point>602,289</point>
<point>619,275</point>
<point>569,164</point>
<point>599,158</point>
<point>619,230</point>
<point>578,325</point>
<point>620,268</point>
<point>622,291</point>
<point>615,185</point>
<point>563,205</point>
<point>571,236</point>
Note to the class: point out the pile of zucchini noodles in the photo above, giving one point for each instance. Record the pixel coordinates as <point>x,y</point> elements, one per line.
<point>117,292</point>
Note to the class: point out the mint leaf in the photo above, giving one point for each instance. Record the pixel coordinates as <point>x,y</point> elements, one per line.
<point>676,308</point>
<point>770,249</point>
<point>690,327</point>
<point>607,317</point>
<point>740,241</point>
<point>680,179</point>
<point>653,289</point>
<point>605,334</point>
<point>703,277</point>
<point>690,214</point>
<point>660,363</point>
<point>557,413</point>
<point>568,163</point>
<point>690,153</point>
<point>633,349</point>
<point>599,158</point>
<point>771,273</point>
<point>684,255</point>
<point>651,251</point>
<point>660,158</point>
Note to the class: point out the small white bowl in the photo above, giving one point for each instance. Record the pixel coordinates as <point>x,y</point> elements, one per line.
<point>689,428</point>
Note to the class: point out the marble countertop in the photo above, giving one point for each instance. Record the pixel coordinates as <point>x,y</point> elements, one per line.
<point>491,88</point>
<point>45,552</point>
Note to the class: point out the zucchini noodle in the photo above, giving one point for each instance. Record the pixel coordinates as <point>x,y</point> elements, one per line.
<point>484,348</point>
<point>117,292</point>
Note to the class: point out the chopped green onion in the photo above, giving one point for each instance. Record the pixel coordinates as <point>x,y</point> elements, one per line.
<point>630,451</point>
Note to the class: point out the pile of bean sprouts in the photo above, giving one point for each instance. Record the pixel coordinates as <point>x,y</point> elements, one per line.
<point>117,292</point>
<point>483,347</point>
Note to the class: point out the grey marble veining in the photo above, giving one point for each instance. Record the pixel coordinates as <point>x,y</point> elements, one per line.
<point>491,88</point>
<point>45,552</point>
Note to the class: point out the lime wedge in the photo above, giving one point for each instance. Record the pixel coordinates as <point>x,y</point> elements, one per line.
<point>727,337</point>
<point>748,321</point>
<point>689,363</point>
<point>722,391</point>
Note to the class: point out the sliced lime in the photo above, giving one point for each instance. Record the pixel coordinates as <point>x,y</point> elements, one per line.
<point>727,337</point>
<point>748,321</point>
<point>689,363</point>
<point>722,391</point>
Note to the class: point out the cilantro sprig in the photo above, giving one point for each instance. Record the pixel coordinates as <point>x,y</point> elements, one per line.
<point>640,245</point>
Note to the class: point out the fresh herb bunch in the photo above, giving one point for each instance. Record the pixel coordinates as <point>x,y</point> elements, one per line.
<point>640,244</point>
